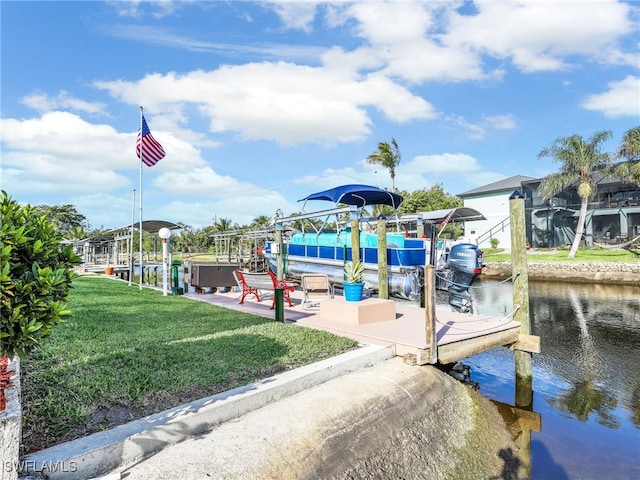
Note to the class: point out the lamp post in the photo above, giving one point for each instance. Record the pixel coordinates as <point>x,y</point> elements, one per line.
<point>164,234</point>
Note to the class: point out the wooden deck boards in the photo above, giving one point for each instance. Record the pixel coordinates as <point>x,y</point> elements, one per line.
<point>458,335</point>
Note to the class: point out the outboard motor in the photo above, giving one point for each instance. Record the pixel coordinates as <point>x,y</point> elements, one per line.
<point>465,260</point>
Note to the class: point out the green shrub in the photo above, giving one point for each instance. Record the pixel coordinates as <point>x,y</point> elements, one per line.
<point>494,242</point>
<point>36,272</point>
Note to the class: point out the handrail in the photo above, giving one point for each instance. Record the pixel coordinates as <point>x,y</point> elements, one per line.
<point>489,234</point>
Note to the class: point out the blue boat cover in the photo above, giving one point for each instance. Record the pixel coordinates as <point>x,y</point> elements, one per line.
<point>344,239</point>
<point>358,195</point>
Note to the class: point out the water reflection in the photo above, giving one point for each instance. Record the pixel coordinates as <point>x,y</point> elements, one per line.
<point>586,379</point>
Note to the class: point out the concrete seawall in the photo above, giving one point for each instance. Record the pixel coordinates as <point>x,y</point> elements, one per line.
<point>387,421</point>
<point>576,272</point>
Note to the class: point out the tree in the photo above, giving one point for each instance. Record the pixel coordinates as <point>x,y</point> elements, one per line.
<point>260,222</point>
<point>223,225</point>
<point>426,200</point>
<point>185,240</point>
<point>629,170</point>
<point>64,217</point>
<point>580,160</point>
<point>389,157</point>
<point>35,277</point>
<point>75,233</point>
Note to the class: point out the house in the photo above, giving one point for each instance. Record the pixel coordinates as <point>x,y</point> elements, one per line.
<point>492,201</point>
<point>613,215</point>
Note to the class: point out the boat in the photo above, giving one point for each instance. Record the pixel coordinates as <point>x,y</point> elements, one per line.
<point>408,251</point>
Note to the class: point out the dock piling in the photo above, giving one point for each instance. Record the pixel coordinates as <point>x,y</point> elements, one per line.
<point>520,281</point>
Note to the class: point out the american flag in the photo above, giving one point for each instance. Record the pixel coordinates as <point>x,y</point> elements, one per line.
<point>446,220</point>
<point>152,151</point>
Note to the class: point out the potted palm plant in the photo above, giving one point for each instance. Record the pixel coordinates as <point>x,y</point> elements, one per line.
<point>353,284</point>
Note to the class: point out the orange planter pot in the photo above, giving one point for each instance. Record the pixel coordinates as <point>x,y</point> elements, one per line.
<point>108,270</point>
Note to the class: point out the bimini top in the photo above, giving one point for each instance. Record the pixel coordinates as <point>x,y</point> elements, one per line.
<point>358,195</point>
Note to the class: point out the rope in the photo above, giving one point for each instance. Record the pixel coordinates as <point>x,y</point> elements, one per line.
<point>515,275</point>
<point>503,321</point>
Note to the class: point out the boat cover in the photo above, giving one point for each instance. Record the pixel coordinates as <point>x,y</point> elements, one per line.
<point>358,195</point>
<point>344,239</point>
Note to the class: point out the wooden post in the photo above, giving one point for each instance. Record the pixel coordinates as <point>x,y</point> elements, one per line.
<point>521,281</point>
<point>431,333</point>
<point>383,275</point>
<point>430,312</point>
<point>279,292</point>
<point>355,235</point>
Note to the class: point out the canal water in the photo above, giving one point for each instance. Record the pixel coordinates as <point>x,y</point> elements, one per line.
<point>586,380</point>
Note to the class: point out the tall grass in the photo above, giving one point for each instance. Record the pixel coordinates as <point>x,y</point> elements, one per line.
<point>126,353</point>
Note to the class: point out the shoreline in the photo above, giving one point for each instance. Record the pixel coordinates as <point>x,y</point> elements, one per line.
<point>575,272</point>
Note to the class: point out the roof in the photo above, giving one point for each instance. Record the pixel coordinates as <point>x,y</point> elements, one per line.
<point>460,214</point>
<point>150,226</point>
<point>510,183</point>
<point>358,195</point>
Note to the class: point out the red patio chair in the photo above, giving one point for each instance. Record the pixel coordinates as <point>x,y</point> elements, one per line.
<point>286,286</point>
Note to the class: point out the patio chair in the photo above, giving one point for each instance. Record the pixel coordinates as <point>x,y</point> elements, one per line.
<point>315,286</point>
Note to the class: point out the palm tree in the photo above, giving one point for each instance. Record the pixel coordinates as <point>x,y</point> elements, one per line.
<point>260,222</point>
<point>389,157</point>
<point>630,150</point>
<point>223,225</point>
<point>580,160</point>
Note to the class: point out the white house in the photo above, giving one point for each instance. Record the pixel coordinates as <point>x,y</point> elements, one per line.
<point>492,201</point>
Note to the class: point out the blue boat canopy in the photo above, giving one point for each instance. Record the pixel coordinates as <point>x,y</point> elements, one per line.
<point>358,195</point>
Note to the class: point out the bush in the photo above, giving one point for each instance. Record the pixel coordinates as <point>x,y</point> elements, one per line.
<point>494,242</point>
<point>36,272</point>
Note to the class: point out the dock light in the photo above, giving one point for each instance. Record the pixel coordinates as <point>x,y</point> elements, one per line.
<point>164,234</point>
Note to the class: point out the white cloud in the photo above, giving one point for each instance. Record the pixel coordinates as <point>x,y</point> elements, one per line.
<point>296,14</point>
<point>478,131</point>
<point>460,169</point>
<point>538,35</point>
<point>281,101</point>
<point>446,163</point>
<point>44,103</point>
<point>134,8</point>
<point>500,122</point>
<point>60,153</point>
<point>621,100</point>
<point>64,140</point>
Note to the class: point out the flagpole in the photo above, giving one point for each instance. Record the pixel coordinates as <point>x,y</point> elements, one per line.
<point>141,157</point>
<point>133,219</point>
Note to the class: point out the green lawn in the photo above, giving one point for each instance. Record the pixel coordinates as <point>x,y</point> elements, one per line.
<point>126,353</point>
<point>582,256</point>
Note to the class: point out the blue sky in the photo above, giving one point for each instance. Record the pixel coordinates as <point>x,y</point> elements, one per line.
<point>258,104</point>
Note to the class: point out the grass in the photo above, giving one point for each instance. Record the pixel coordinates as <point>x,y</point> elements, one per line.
<point>126,353</point>
<point>582,256</point>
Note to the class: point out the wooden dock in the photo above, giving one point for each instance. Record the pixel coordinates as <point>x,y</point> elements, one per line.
<point>458,335</point>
